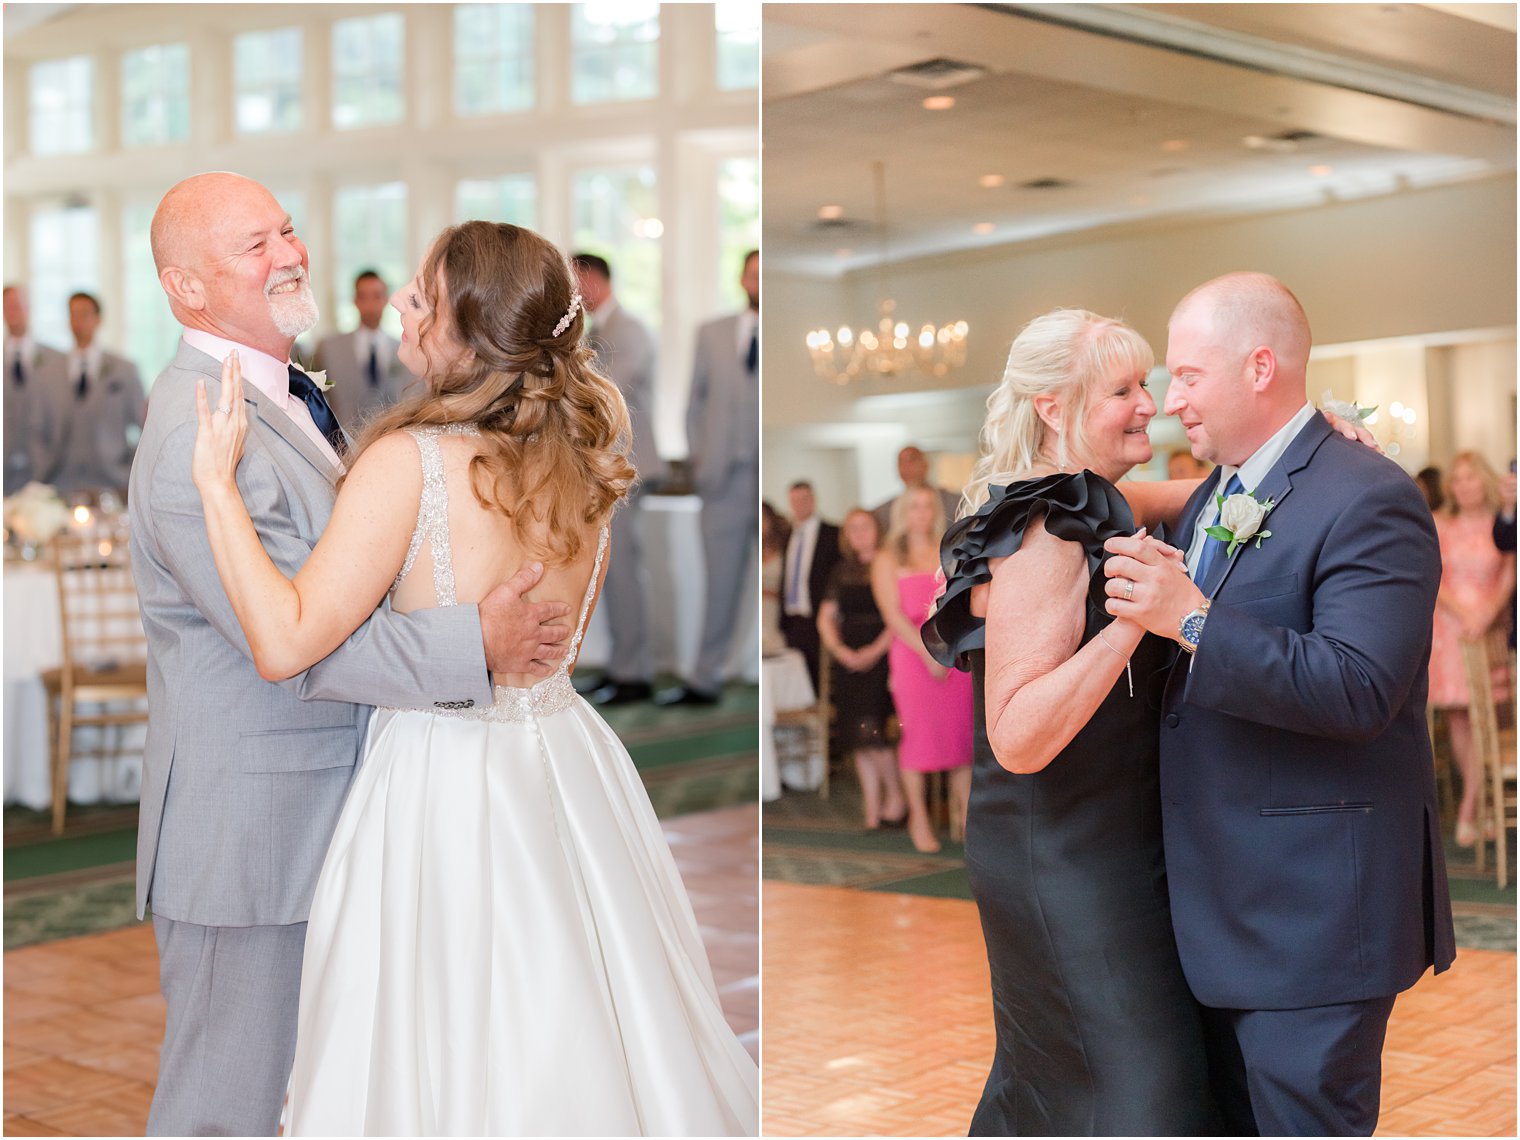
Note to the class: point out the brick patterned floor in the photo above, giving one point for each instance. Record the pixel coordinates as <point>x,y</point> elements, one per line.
<point>876,1023</point>
<point>84,1019</point>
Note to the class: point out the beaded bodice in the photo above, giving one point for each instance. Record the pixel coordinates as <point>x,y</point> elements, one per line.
<point>512,705</point>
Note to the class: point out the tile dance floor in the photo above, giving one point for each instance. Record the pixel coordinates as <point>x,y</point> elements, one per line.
<point>876,1023</point>
<point>84,1020</point>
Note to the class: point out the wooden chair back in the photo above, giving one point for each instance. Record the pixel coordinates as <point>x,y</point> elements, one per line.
<point>1491,708</point>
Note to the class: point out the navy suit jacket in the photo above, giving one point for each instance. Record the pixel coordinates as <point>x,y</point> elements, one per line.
<point>1298,794</point>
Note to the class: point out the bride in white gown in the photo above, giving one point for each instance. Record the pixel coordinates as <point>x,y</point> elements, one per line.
<point>499,943</point>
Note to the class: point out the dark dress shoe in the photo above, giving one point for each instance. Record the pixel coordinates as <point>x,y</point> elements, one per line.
<point>621,693</point>
<point>685,695</point>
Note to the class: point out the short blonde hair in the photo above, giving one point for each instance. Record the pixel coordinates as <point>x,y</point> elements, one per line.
<point>1058,354</point>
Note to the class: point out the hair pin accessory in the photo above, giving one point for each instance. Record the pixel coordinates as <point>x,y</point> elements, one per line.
<point>564,321</point>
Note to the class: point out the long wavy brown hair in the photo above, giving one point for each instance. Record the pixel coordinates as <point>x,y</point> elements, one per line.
<point>555,431</point>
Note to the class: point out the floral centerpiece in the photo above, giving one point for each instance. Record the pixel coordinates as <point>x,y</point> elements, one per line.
<point>34,514</point>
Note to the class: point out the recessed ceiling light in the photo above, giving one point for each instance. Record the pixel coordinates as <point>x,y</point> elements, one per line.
<point>1172,146</point>
<point>990,181</point>
<point>939,102</point>
<point>829,213</point>
<point>983,228</point>
<point>1320,171</point>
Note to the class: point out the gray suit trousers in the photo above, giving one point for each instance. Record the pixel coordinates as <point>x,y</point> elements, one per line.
<point>230,1034</point>
<point>730,526</point>
<point>625,596</point>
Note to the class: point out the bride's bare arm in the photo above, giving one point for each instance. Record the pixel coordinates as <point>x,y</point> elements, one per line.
<point>1040,687</point>
<point>293,623</point>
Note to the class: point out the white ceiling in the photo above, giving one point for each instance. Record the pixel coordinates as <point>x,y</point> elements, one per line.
<point>1141,112</point>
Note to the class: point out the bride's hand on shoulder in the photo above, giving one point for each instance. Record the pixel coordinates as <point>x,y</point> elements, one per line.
<point>220,431</point>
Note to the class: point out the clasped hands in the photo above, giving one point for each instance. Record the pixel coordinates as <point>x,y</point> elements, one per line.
<point>1148,584</point>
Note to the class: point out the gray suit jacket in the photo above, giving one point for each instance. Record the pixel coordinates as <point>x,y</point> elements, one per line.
<point>243,779</point>
<point>89,442</point>
<point>625,352</point>
<point>723,415</point>
<point>27,456</point>
<point>352,399</point>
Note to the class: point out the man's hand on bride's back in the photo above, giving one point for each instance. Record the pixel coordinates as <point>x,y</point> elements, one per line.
<point>523,636</point>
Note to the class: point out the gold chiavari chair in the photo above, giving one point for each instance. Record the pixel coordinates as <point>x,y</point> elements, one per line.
<point>103,681</point>
<point>812,721</point>
<point>1493,737</point>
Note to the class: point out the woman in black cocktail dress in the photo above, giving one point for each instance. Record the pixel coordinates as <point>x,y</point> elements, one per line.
<point>1097,1032</point>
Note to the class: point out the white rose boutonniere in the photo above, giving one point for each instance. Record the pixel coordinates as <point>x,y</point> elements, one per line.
<point>1240,519</point>
<point>321,381</point>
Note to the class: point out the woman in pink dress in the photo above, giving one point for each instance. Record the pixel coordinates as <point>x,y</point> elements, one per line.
<point>933,703</point>
<point>1476,584</point>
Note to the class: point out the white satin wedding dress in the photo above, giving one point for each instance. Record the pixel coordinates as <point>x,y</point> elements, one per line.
<point>500,943</point>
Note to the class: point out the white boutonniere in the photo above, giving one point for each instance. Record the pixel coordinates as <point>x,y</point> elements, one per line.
<point>1240,519</point>
<point>320,380</point>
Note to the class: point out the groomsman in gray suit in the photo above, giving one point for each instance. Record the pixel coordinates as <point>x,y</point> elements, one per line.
<point>723,440</point>
<point>362,366</point>
<point>625,352</point>
<point>243,779</point>
<point>90,425</point>
<point>32,371</point>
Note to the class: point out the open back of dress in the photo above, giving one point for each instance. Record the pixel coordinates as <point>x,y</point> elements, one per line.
<point>500,943</point>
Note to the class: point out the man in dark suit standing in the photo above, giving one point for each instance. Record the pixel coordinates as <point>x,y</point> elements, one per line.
<point>811,553</point>
<point>32,373</point>
<point>625,352</point>
<point>1307,877</point>
<point>90,426</point>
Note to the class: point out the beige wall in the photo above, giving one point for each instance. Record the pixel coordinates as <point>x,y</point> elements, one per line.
<point>1423,264</point>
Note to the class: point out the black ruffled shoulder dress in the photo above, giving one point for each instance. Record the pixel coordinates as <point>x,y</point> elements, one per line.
<point>1097,1032</point>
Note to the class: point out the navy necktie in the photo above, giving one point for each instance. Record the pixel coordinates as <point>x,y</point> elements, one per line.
<point>82,389</point>
<point>16,372</point>
<point>752,360</point>
<point>305,389</point>
<point>373,371</point>
<point>1213,547</point>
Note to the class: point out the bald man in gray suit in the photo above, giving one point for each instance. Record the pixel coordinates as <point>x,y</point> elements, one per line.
<point>625,351</point>
<point>723,438</point>
<point>243,779</point>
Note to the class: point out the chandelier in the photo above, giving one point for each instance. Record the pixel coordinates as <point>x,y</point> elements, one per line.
<point>892,347</point>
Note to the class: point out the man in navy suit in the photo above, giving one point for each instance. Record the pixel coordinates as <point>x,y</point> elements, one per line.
<point>1308,882</point>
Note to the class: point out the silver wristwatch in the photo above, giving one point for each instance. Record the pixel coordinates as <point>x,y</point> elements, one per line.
<point>1190,628</point>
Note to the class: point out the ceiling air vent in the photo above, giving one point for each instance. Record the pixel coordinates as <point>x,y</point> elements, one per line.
<point>1045,184</point>
<point>937,74</point>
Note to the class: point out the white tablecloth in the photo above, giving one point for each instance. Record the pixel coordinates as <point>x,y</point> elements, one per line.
<point>33,643</point>
<point>784,685</point>
<point>669,526</point>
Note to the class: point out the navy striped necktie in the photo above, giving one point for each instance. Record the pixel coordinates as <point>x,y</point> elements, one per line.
<point>305,389</point>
